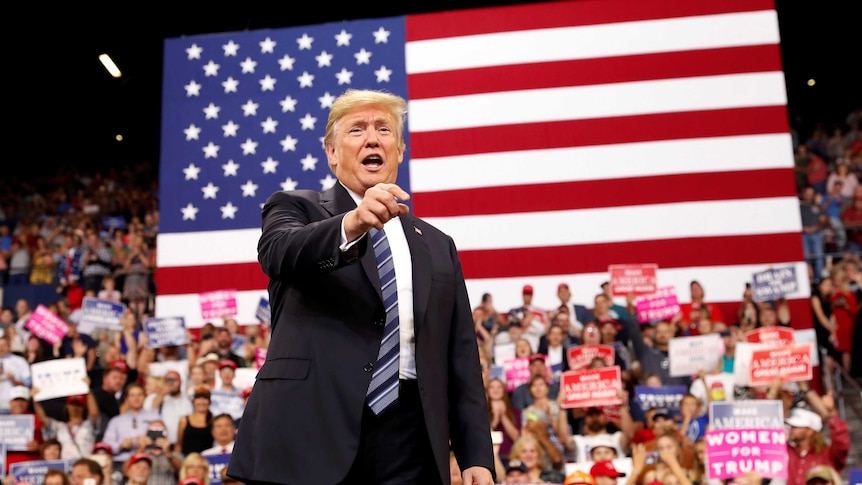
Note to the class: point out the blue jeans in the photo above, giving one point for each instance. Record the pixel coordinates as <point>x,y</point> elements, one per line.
<point>812,245</point>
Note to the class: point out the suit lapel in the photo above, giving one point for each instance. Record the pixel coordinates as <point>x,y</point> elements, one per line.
<point>421,260</point>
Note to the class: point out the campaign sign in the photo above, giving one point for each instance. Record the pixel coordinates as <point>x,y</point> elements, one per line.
<point>96,313</point>
<point>773,284</point>
<point>760,413</point>
<point>59,377</point>
<point>633,279</point>
<point>733,452</point>
<point>661,305</point>
<point>226,402</point>
<point>772,336</point>
<point>33,472</point>
<point>263,312</point>
<point>46,325</point>
<point>591,387</point>
<point>504,352</point>
<point>165,332</point>
<point>688,355</point>
<point>517,372</point>
<point>582,355</point>
<point>667,397</point>
<point>217,463</point>
<point>791,363</point>
<point>218,304</point>
<point>17,430</point>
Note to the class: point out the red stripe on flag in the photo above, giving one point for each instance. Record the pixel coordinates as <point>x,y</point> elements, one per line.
<point>605,131</point>
<point>565,14</point>
<point>590,194</point>
<point>507,263</point>
<point>667,253</point>
<point>669,65</point>
<point>196,279</point>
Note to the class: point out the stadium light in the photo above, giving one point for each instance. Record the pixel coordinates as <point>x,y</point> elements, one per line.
<point>112,68</point>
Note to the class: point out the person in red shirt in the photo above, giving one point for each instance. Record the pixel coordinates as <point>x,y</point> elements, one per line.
<point>691,313</point>
<point>19,404</point>
<point>807,446</point>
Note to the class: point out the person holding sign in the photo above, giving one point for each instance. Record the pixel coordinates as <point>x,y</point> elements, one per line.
<point>806,444</point>
<point>373,338</point>
<point>19,405</point>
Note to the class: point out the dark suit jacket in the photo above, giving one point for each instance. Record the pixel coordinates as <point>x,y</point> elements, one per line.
<point>301,423</point>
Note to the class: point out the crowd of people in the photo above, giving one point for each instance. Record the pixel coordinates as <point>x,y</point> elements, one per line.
<point>149,415</point>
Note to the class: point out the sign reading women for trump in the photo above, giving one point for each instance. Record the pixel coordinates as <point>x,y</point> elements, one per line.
<point>633,279</point>
<point>593,387</point>
<point>218,304</point>
<point>46,325</point>
<point>582,355</point>
<point>164,332</point>
<point>746,436</point>
<point>658,306</point>
<point>59,377</point>
<point>517,371</point>
<point>791,363</point>
<point>688,355</point>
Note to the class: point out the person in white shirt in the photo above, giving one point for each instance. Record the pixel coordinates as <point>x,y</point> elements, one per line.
<point>14,371</point>
<point>224,433</point>
<point>171,403</point>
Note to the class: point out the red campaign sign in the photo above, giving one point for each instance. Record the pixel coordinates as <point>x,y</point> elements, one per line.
<point>791,363</point>
<point>580,356</point>
<point>772,336</point>
<point>592,387</point>
<point>633,279</point>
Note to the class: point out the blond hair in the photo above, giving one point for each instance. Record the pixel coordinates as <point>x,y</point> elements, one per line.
<point>354,98</point>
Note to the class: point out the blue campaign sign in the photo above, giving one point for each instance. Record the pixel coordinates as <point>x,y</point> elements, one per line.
<point>96,313</point>
<point>263,313</point>
<point>165,331</point>
<point>217,463</point>
<point>754,414</point>
<point>17,430</point>
<point>33,472</point>
<point>667,397</point>
<point>774,283</point>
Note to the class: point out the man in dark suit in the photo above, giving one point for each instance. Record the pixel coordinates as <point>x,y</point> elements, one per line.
<point>338,401</point>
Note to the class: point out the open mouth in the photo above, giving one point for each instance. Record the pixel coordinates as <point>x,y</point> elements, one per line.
<point>372,161</point>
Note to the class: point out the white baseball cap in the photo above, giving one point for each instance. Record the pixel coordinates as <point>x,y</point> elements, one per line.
<point>803,418</point>
<point>19,392</point>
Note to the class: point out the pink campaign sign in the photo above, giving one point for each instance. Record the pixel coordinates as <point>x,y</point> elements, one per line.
<point>218,304</point>
<point>733,452</point>
<point>517,372</point>
<point>658,306</point>
<point>46,325</point>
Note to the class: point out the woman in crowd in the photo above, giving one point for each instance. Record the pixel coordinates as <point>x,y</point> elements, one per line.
<point>76,433</point>
<point>195,430</point>
<point>56,477</point>
<point>844,309</point>
<point>504,417</point>
<point>546,413</point>
<point>523,348</point>
<point>528,451</point>
<point>42,271</point>
<point>195,466</point>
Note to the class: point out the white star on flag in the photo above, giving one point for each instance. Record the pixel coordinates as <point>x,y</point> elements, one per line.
<point>192,89</point>
<point>194,51</point>
<point>248,65</point>
<point>267,83</point>
<point>305,42</point>
<point>189,212</point>
<point>250,108</point>
<point>343,38</point>
<point>228,211</point>
<point>324,59</point>
<point>305,80</point>
<point>267,46</point>
<point>289,143</point>
<point>383,74</point>
<point>381,36</point>
<point>288,184</point>
<point>307,122</point>
<point>269,125</point>
<point>308,162</point>
<point>230,84</point>
<point>230,49</point>
<point>211,69</point>
<point>362,57</point>
<point>343,76</point>
<point>249,147</point>
<point>192,132</point>
<point>286,63</point>
<point>192,172</point>
<point>211,111</point>
<point>230,168</point>
<point>229,129</point>
<point>248,189</point>
<point>269,165</point>
<point>209,191</point>
<point>210,150</point>
<point>328,182</point>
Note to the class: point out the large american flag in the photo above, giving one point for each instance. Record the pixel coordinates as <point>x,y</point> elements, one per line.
<point>550,140</point>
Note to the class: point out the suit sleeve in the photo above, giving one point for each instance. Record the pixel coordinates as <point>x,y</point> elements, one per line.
<point>299,237</point>
<point>470,424</point>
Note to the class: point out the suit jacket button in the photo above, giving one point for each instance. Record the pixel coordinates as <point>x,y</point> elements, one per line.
<point>368,367</point>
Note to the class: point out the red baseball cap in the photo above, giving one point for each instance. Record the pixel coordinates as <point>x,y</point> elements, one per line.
<point>605,468</point>
<point>563,286</point>
<point>141,457</point>
<point>79,399</point>
<point>119,364</point>
<point>226,363</point>
<point>104,447</point>
<point>528,290</point>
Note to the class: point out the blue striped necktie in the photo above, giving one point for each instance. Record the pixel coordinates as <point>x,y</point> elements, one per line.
<point>383,390</point>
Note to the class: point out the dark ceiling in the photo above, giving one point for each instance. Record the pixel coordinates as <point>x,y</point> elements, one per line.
<point>71,109</point>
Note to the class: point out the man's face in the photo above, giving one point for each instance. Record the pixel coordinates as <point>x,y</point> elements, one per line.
<point>662,333</point>
<point>114,381</point>
<point>366,149</point>
<point>80,473</point>
<point>22,307</point>
<point>596,421</point>
<point>172,379</point>
<point>602,304</point>
<point>139,472</point>
<point>4,347</point>
<point>223,431</point>
<point>223,339</point>
<point>135,398</point>
<point>563,293</point>
<point>517,476</point>
<point>609,332</point>
<point>603,453</point>
<point>768,317</point>
<point>555,336</point>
